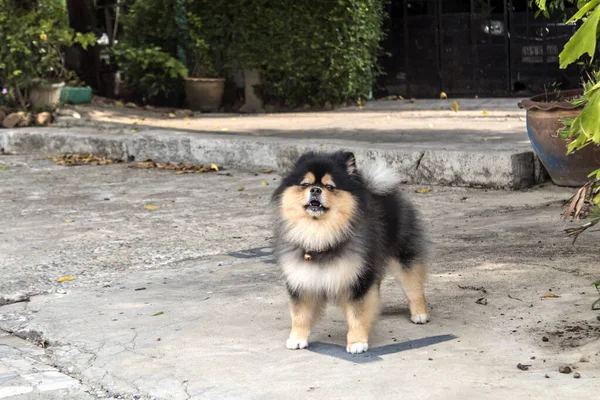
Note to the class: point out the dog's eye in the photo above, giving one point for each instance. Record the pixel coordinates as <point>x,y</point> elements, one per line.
<point>305,185</point>
<point>330,188</point>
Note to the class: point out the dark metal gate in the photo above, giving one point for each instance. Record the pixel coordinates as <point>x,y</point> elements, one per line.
<point>472,47</point>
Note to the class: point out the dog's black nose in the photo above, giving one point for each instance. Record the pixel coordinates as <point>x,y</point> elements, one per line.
<point>316,191</point>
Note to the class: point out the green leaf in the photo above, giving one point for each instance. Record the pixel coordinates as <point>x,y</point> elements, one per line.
<point>596,173</point>
<point>583,11</point>
<point>587,125</point>
<point>583,41</point>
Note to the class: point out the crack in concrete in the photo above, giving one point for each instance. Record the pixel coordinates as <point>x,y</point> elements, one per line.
<point>185,389</point>
<point>419,161</point>
<point>16,298</point>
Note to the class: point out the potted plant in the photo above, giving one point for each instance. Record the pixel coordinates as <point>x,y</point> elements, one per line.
<point>32,60</point>
<point>545,121</point>
<point>560,122</point>
<point>203,87</point>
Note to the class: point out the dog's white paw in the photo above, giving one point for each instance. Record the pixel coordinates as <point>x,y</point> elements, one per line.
<point>420,318</point>
<point>295,344</point>
<point>357,348</point>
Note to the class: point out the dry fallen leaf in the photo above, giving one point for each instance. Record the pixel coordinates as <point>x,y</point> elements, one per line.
<point>171,115</point>
<point>224,129</point>
<point>264,183</point>
<point>150,208</point>
<point>454,106</point>
<point>241,189</point>
<point>267,171</point>
<point>64,279</point>
<point>3,167</point>
<point>70,160</point>
<point>443,95</point>
<point>157,313</point>
<point>549,295</point>
<point>424,190</point>
<point>68,220</point>
<point>485,112</point>
<point>186,119</point>
<point>181,168</point>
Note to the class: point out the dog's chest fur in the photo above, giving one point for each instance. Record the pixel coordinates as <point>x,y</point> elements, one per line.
<point>333,278</point>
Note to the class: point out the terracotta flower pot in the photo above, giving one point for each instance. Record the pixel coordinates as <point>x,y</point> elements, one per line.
<point>204,94</point>
<point>45,96</point>
<point>544,118</point>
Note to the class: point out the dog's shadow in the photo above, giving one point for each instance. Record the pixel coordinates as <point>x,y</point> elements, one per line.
<point>373,354</point>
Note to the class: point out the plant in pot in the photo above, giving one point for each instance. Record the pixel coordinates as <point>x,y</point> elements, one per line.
<point>32,61</point>
<point>556,121</point>
<point>578,125</point>
<point>203,87</point>
<point>574,123</point>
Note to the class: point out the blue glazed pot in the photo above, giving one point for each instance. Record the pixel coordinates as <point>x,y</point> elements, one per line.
<point>544,118</point>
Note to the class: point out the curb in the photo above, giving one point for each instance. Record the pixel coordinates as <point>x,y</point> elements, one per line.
<point>499,169</point>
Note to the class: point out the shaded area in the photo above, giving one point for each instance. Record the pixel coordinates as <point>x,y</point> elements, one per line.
<point>373,354</point>
<point>258,252</point>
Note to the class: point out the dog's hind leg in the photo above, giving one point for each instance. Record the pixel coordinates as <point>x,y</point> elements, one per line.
<point>361,314</point>
<point>412,278</point>
<point>305,312</point>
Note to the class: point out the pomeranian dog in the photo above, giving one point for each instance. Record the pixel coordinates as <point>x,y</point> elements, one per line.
<point>338,230</point>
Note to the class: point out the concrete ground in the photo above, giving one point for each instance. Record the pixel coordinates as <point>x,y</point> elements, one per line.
<point>484,144</point>
<point>183,300</point>
<point>479,125</point>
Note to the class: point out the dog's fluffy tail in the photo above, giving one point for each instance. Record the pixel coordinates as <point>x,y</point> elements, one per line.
<point>380,178</point>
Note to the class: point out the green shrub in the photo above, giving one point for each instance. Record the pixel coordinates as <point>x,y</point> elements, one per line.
<point>201,55</point>
<point>155,76</point>
<point>308,51</point>
<point>152,23</point>
<point>152,53</point>
<point>32,42</point>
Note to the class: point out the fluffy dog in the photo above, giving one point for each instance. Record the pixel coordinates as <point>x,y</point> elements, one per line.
<point>338,230</point>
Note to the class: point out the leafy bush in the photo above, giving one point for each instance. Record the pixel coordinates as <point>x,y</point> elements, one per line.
<point>32,41</point>
<point>308,51</point>
<point>201,55</point>
<point>149,55</point>
<point>155,76</point>
<point>152,23</point>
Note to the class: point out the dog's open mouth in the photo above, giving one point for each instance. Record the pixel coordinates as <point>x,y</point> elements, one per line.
<point>315,206</point>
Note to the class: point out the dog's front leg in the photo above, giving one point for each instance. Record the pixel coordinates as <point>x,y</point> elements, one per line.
<point>305,312</point>
<point>361,314</point>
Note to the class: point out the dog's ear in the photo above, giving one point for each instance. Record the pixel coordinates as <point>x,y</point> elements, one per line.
<point>349,162</point>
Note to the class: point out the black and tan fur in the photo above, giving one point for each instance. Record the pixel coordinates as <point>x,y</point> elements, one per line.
<point>338,231</point>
